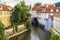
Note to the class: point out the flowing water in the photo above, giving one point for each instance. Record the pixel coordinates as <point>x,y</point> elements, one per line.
<point>35,33</point>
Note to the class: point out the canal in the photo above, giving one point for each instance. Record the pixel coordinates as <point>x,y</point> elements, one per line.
<point>35,33</point>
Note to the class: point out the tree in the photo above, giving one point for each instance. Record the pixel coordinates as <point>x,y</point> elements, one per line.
<point>20,14</point>
<point>2,35</point>
<point>57,4</point>
<point>37,4</point>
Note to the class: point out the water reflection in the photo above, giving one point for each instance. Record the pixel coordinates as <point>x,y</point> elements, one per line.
<point>35,33</point>
<point>38,33</point>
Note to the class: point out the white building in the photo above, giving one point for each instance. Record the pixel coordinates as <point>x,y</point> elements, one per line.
<point>43,12</point>
<point>56,23</point>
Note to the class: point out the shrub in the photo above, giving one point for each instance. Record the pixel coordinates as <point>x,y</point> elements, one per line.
<point>54,36</point>
<point>2,35</point>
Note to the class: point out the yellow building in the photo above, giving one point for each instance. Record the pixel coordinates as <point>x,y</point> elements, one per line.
<point>5,13</point>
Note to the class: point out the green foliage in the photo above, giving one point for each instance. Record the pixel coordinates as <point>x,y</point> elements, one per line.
<point>8,27</point>
<point>20,14</point>
<point>2,35</point>
<point>37,4</point>
<point>54,36</point>
<point>1,29</point>
<point>28,24</point>
<point>57,4</point>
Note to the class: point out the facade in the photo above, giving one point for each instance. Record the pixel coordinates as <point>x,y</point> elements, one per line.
<point>44,11</point>
<point>5,13</point>
<point>56,23</point>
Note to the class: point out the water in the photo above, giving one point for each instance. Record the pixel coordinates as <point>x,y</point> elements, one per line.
<point>35,33</point>
<point>24,36</point>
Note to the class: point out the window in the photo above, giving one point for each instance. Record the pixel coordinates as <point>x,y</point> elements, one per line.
<point>8,19</point>
<point>51,10</point>
<point>0,13</point>
<point>43,10</point>
<point>4,13</point>
<point>4,19</point>
<point>57,10</point>
<point>0,19</point>
<point>0,6</point>
<point>8,13</point>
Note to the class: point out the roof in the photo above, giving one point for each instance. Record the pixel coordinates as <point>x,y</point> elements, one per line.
<point>47,8</point>
<point>4,7</point>
<point>51,7</point>
<point>39,7</point>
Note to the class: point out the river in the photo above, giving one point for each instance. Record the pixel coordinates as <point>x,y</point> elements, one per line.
<point>35,33</point>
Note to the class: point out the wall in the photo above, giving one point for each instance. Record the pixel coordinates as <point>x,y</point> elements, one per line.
<point>5,17</point>
<point>56,24</point>
<point>42,17</point>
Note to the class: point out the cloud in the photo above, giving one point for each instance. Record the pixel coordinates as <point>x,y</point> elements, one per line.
<point>10,2</point>
<point>28,2</point>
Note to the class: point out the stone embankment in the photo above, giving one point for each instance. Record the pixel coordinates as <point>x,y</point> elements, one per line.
<point>9,32</point>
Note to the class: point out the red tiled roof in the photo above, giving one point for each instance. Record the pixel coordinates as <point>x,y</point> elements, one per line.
<point>5,7</point>
<point>51,7</point>
<point>39,9</point>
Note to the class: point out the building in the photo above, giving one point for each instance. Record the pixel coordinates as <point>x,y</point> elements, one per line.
<point>5,13</point>
<point>56,23</point>
<point>44,11</point>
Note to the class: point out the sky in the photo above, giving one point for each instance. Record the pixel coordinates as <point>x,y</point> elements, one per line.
<point>28,2</point>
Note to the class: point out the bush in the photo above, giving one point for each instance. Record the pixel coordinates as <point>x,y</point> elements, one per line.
<point>28,24</point>
<point>2,35</point>
<point>3,38</point>
<point>54,36</point>
<point>8,27</point>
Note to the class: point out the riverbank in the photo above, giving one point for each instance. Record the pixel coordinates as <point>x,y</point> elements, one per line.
<point>14,35</point>
<point>54,36</point>
<point>9,32</point>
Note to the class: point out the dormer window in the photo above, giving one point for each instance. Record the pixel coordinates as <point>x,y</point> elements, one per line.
<point>0,6</point>
<point>51,10</point>
<point>57,10</point>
